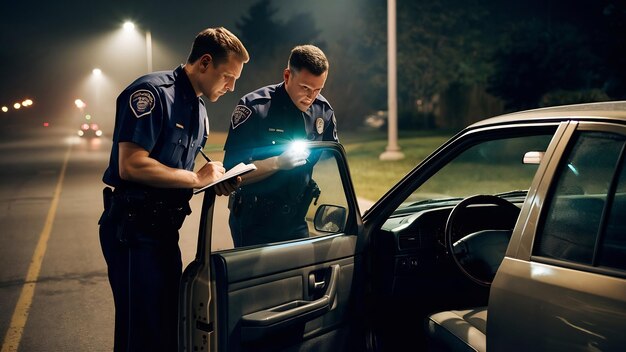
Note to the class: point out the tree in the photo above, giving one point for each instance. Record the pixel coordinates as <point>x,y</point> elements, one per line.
<point>569,52</point>
<point>536,58</point>
<point>269,42</point>
<point>440,44</point>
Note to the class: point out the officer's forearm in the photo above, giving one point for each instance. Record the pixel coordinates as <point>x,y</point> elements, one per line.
<point>155,174</point>
<point>264,169</point>
<point>135,165</point>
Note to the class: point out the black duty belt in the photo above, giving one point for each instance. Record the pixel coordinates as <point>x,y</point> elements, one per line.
<point>257,203</point>
<point>146,209</point>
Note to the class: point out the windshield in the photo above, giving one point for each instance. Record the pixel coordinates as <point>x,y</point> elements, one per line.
<point>489,167</point>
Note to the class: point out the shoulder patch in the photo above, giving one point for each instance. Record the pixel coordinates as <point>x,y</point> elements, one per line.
<point>142,102</point>
<point>240,115</point>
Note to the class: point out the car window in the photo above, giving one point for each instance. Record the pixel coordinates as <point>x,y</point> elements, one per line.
<point>303,202</point>
<point>490,167</point>
<point>574,211</point>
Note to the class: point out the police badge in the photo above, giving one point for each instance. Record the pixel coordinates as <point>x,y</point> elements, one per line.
<point>141,102</point>
<point>319,125</point>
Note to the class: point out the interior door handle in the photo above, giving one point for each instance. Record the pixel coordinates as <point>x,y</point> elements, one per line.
<point>257,324</point>
<point>315,286</point>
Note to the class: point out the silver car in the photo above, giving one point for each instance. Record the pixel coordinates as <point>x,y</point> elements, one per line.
<point>510,236</point>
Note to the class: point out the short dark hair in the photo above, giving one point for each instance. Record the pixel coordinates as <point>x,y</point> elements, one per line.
<point>219,43</point>
<point>309,57</point>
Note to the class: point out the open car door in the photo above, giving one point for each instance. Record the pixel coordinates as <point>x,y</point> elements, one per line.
<point>299,294</point>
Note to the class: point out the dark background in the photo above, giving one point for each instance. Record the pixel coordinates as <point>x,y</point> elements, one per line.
<point>458,60</point>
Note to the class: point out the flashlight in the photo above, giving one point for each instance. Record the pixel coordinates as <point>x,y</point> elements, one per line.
<point>298,147</point>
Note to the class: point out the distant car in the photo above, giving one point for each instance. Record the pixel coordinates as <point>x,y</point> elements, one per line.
<point>89,130</point>
<point>511,236</point>
<point>377,120</point>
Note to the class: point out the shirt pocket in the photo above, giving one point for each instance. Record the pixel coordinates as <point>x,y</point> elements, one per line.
<point>176,148</point>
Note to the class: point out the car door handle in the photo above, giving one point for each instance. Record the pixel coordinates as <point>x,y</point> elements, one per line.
<point>268,320</point>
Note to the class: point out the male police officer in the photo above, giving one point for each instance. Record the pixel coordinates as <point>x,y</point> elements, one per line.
<point>272,201</point>
<point>160,126</point>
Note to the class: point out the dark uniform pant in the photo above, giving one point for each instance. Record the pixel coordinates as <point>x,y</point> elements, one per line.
<point>144,273</point>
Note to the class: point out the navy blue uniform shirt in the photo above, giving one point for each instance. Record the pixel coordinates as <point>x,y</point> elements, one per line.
<point>268,117</point>
<point>161,113</point>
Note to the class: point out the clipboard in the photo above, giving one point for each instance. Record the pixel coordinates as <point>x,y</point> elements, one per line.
<point>235,171</point>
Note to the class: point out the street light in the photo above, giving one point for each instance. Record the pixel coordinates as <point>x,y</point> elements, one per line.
<point>130,26</point>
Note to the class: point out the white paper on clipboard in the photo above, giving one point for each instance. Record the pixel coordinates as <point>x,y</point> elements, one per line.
<point>235,171</point>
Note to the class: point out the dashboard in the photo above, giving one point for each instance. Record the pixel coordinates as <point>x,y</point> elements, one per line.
<point>411,245</point>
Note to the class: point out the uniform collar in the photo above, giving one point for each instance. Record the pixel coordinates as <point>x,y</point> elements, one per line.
<point>286,99</point>
<point>184,84</point>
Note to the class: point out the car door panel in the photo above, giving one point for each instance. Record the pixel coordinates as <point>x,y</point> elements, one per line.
<point>257,283</point>
<point>584,306</point>
<point>294,295</point>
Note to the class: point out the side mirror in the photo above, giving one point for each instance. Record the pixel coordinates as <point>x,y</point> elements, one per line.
<point>330,218</point>
<point>533,157</point>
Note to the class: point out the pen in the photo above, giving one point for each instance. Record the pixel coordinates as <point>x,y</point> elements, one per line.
<point>205,156</point>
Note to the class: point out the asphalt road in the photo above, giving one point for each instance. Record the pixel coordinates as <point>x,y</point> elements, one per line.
<point>54,293</point>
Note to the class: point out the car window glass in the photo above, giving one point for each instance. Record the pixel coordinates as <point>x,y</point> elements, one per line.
<point>301,203</point>
<point>490,167</point>
<point>574,210</point>
<point>612,251</point>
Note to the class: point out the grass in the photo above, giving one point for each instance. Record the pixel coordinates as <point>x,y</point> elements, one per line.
<point>371,176</point>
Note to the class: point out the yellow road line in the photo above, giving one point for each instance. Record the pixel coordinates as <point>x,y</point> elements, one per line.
<point>22,309</point>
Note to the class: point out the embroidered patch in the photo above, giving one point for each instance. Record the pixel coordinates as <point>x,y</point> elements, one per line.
<point>240,115</point>
<point>319,125</point>
<point>141,102</point>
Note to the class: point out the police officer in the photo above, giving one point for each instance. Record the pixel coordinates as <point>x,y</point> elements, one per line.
<point>160,126</point>
<point>272,201</point>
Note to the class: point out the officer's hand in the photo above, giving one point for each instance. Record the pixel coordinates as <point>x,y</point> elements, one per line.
<point>210,172</point>
<point>292,158</point>
<point>227,187</point>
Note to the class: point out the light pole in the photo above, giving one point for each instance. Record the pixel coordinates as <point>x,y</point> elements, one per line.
<point>149,50</point>
<point>96,78</point>
<point>392,152</point>
<point>129,26</point>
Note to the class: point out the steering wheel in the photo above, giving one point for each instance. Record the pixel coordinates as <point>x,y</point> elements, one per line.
<point>479,253</point>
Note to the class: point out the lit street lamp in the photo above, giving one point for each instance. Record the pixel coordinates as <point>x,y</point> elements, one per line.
<point>129,26</point>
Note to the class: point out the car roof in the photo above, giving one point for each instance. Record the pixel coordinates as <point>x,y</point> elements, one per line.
<point>614,111</point>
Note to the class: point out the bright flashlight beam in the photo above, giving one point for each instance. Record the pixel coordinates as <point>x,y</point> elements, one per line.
<point>298,147</point>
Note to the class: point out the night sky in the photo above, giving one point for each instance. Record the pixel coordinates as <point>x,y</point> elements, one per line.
<point>49,48</point>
